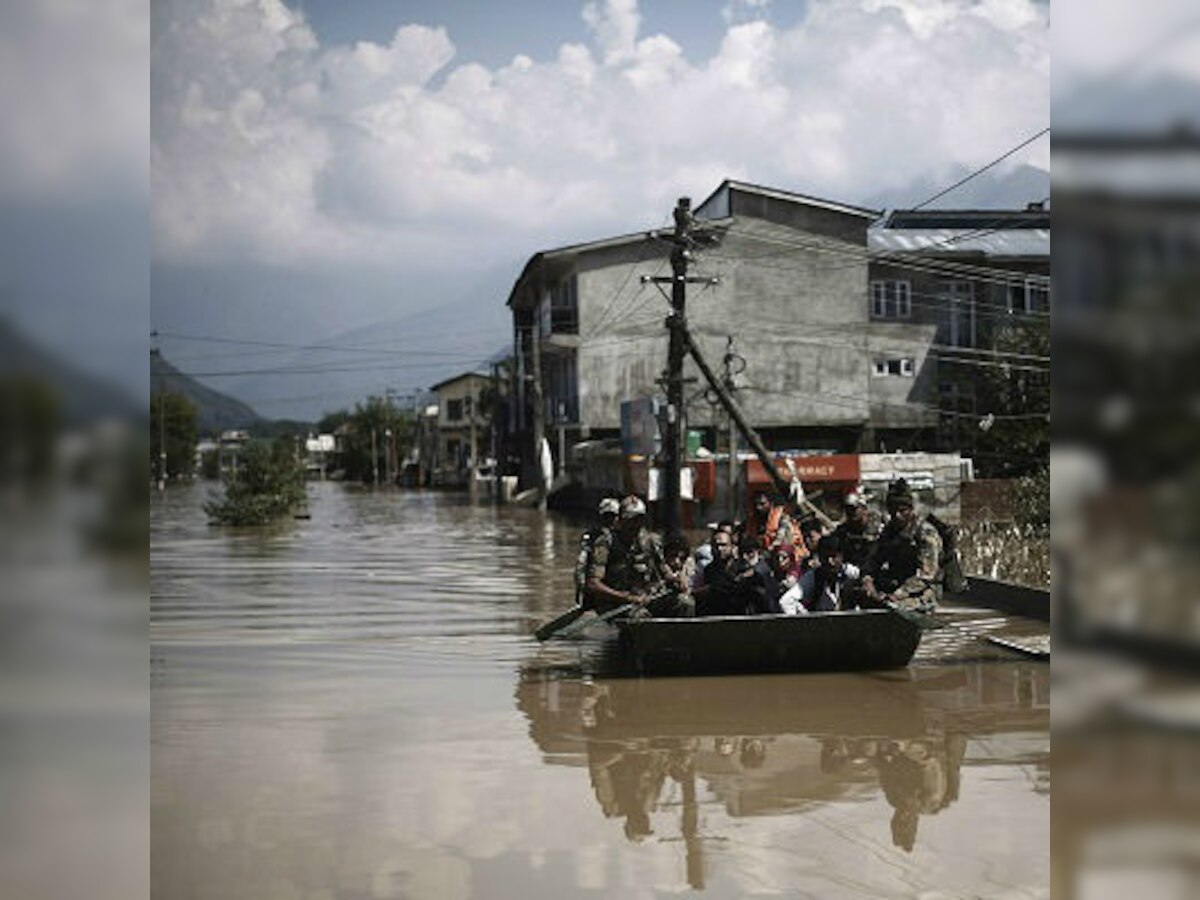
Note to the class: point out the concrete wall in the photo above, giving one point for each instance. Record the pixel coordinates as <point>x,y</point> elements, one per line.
<point>797,318</point>
<point>897,401</point>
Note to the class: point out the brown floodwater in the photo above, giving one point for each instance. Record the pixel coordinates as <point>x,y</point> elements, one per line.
<point>352,706</point>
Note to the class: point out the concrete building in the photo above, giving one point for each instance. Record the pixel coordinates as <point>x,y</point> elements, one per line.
<point>461,427</point>
<point>947,283</point>
<point>790,307</point>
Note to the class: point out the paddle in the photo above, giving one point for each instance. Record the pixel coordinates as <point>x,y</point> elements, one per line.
<point>924,621</point>
<point>576,627</point>
<point>547,630</point>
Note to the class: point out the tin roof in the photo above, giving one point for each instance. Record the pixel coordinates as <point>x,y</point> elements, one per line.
<point>989,242</point>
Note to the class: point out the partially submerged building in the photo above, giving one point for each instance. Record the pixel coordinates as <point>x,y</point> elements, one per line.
<point>841,331</point>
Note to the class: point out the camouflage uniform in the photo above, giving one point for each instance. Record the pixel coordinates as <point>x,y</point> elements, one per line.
<point>906,563</point>
<point>587,544</point>
<point>857,545</point>
<point>636,566</point>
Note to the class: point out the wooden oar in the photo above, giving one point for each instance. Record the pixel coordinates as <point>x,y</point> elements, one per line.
<point>548,629</point>
<point>924,621</point>
<point>576,627</point>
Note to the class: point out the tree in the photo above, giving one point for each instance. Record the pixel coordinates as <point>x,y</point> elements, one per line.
<point>366,447</point>
<point>30,419</point>
<point>173,417</point>
<point>1015,438</point>
<point>266,484</point>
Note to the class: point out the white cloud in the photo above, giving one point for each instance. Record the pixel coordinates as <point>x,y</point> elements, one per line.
<point>270,147</point>
<point>73,85</point>
<point>743,10</point>
<point>615,24</point>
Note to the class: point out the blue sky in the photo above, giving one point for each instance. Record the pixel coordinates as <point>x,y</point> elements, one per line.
<point>492,33</point>
<point>325,167</point>
<point>330,167</point>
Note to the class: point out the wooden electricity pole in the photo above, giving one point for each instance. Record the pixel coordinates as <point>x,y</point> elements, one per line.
<point>671,458</point>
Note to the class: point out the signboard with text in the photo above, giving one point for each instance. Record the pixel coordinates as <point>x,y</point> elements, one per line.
<point>842,467</point>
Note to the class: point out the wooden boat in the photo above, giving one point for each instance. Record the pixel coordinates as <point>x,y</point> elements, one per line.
<point>858,640</point>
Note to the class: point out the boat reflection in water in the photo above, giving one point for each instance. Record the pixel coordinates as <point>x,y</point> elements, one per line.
<point>661,752</point>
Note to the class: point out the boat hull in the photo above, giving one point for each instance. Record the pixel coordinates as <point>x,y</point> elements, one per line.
<point>859,640</point>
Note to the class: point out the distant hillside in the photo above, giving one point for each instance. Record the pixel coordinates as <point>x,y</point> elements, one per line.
<point>406,354</point>
<point>214,411</point>
<point>84,397</point>
<point>993,190</point>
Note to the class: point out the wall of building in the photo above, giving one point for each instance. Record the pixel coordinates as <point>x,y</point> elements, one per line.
<point>794,320</point>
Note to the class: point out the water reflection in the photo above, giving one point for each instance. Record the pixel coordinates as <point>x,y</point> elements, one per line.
<point>659,752</point>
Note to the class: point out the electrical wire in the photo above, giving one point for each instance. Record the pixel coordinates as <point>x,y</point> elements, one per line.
<point>980,171</point>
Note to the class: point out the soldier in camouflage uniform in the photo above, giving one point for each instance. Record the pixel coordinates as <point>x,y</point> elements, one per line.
<point>627,566</point>
<point>610,509</point>
<point>905,570</point>
<point>856,532</point>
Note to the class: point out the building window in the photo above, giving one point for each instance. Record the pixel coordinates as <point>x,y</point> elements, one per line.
<point>561,389</point>
<point>904,367</point>
<point>1031,297</point>
<point>891,299</point>
<point>454,410</point>
<point>959,297</point>
<point>558,312</point>
<point>564,307</point>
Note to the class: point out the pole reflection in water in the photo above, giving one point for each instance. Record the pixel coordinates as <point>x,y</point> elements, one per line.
<point>681,759</point>
<point>333,715</point>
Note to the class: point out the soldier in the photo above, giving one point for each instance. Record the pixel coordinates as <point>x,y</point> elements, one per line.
<point>628,566</point>
<point>610,508</point>
<point>856,532</point>
<point>905,570</point>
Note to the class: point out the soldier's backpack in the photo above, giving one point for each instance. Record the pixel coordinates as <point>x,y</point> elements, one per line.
<point>953,579</point>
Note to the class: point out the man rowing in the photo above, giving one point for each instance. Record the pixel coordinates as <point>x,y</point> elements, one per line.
<point>610,509</point>
<point>627,567</point>
<point>905,568</point>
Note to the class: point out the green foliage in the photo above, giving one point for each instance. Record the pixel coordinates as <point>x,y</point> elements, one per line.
<point>1031,499</point>
<point>365,445</point>
<point>283,428</point>
<point>1016,447</point>
<point>267,484</point>
<point>30,418</point>
<point>173,417</point>
<point>210,465</point>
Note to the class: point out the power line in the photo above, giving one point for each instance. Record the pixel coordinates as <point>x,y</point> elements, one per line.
<point>980,171</point>
<point>901,259</point>
<point>857,402</point>
<point>373,350</point>
<point>313,370</point>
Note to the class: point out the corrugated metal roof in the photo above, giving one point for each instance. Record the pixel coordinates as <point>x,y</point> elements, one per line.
<point>1173,174</point>
<point>1010,242</point>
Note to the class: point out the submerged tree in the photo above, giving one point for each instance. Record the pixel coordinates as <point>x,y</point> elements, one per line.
<point>173,432</point>
<point>266,484</point>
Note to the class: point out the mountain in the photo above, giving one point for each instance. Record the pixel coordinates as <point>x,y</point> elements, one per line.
<point>85,398</point>
<point>403,355</point>
<point>1013,189</point>
<point>214,411</point>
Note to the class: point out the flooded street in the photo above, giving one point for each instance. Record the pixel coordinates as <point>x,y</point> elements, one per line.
<point>352,706</point>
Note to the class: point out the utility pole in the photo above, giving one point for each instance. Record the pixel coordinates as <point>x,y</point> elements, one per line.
<point>683,240</point>
<point>731,474</point>
<point>374,459</point>
<point>539,413</point>
<point>162,443</point>
<point>764,456</point>
<point>474,468</point>
<point>388,433</point>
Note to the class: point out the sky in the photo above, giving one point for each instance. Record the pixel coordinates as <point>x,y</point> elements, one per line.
<point>311,168</point>
<point>321,166</point>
